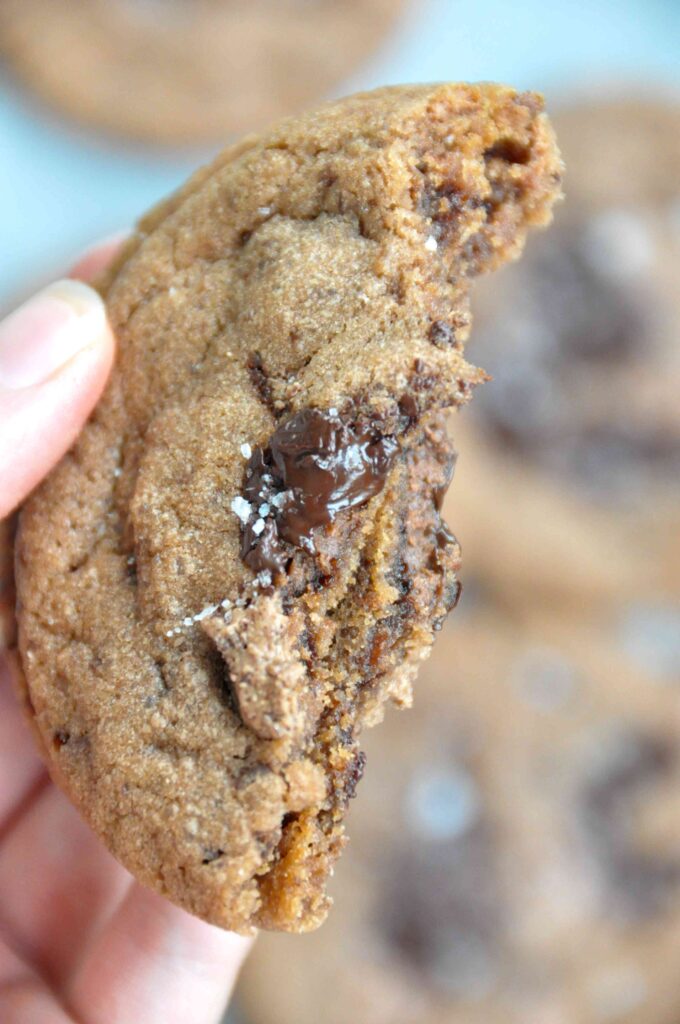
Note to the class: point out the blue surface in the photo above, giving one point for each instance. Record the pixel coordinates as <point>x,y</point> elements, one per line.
<point>61,187</point>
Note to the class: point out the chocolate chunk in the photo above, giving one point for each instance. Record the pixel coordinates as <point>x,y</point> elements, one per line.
<point>355,774</point>
<point>408,407</point>
<point>508,150</point>
<point>569,317</point>
<point>442,538</point>
<point>259,378</point>
<point>636,882</point>
<point>442,334</point>
<point>444,911</point>
<point>314,466</point>
<point>264,552</point>
<point>439,493</point>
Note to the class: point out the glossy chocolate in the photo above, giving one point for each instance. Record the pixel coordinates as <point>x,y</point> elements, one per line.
<point>315,465</point>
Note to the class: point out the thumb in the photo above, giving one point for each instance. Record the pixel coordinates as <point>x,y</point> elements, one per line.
<point>55,355</point>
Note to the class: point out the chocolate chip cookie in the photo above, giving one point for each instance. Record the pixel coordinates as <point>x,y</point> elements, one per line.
<point>178,71</point>
<point>582,425</point>
<point>243,558</point>
<point>515,852</point>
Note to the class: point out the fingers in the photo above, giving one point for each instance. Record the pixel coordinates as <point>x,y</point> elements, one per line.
<point>58,885</point>
<point>20,766</point>
<point>23,996</point>
<point>55,355</point>
<point>62,896</point>
<point>156,964</point>
<point>97,259</point>
<point>56,352</point>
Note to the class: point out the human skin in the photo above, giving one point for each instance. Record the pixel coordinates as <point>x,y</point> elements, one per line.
<point>80,940</point>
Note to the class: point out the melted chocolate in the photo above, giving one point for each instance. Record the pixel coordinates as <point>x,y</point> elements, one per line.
<point>314,466</point>
<point>442,539</point>
<point>354,775</point>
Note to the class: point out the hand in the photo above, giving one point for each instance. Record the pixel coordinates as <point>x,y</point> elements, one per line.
<point>80,941</point>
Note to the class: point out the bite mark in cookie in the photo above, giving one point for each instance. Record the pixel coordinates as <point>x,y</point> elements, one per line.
<point>271,453</point>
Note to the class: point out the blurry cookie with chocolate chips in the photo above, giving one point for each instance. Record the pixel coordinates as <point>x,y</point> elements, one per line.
<point>581,428</point>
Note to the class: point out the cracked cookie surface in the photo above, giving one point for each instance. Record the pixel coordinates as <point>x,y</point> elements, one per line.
<point>243,559</point>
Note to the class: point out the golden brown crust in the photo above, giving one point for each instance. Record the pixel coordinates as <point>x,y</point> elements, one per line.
<point>339,248</point>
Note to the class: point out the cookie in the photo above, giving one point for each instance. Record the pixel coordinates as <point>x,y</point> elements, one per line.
<point>516,849</point>
<point>7,527</point>
<point>582,427</point>
<point>243,558</point>
<point>179,71</point>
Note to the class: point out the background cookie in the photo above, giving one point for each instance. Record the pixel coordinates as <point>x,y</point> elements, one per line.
<point>188,70</point>
<point>515,852</point>
<point>581,429</point>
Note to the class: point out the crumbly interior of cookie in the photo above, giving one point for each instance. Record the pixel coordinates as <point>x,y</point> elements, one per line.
<point>204,712</point>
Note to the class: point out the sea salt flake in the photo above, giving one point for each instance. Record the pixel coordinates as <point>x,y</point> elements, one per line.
<point>263,510</point>
<point>619,244</point>
<point>258,527</point>
<point>205,612</point>
<point>246,451</point>
<point>241,508</point>
<point>431,243</point>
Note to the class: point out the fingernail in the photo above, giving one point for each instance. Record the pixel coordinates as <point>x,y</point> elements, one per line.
<point>46,332</point>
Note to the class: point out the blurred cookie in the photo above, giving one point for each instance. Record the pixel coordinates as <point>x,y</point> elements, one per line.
<point>581,429</point>
<point>177,71</point>
<point>516,851</point>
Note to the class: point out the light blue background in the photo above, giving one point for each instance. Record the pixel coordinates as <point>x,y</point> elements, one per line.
<point>60,188</point>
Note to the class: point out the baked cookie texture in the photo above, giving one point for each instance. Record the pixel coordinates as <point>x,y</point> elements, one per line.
<point>243,558</point>
<point>582,424</point>
<point>188,71</point>
<point>515,850</point>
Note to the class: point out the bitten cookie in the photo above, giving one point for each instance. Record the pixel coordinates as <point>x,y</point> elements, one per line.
<point>515,851</point>
<point>243,557</point>
<point>178,71</point>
